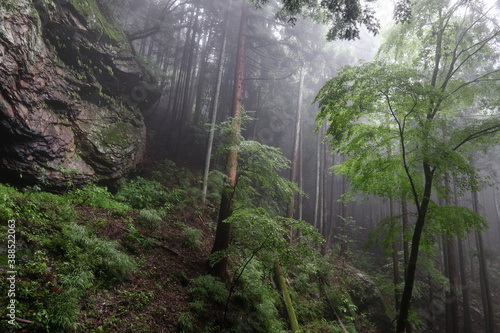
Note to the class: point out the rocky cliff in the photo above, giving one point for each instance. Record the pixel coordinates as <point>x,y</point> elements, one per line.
<point>71,92</point>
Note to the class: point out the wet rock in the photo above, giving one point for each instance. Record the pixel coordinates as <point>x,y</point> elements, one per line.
<point>366,296</point>
<point>71,92</point>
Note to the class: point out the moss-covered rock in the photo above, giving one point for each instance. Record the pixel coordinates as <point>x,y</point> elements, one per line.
<point>71,94</point>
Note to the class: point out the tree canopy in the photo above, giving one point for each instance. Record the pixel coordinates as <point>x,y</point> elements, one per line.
<point>411,119</point>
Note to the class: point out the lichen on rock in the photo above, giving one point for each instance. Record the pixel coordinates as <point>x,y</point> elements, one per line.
<point>69,107</point>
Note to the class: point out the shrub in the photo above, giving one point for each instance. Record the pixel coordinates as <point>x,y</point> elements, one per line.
<point>168,172</point>
<point>95,196</point>
<point>141,193</point>
<point>150,219</point>
<point>191,238</point>
<point>208,288</point>
<point>100,256</point>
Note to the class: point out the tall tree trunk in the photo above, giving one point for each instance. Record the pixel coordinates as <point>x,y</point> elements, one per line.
<point>185,101</point>
<point>489,318</point>
<point>463,275</point>
<point>465,289</point>
<point>318,173</point>
<point>452,299</point>
<point>395,260</point>
<point>201,80</point>
<point>221,242</point>
<point>405,222</point>
<point>333,217</point>
<point>215,105</point>
<point>294,325</point>
<point>296,144</point>
<point>497,209</point>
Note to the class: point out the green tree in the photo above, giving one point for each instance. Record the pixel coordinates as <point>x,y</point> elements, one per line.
<point>344,17</point>
<point>406,121</point>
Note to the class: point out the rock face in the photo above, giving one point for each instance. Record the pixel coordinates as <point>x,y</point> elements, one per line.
<point>71,92</point>
<point>369,301</point>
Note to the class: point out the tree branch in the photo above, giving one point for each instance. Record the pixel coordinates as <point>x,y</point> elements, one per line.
<point>478,134</point>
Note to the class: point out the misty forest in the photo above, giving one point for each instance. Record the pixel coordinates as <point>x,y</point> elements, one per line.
<point>250,166</point>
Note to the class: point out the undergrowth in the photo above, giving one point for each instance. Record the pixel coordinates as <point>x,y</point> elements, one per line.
<point>63,262</point>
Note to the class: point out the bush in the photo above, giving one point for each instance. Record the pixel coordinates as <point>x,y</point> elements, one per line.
<point>191,238</point>
<point>208,288</point>
<point>141,193</point>
<point>59,260</point>
<point>168,172</point>
<point>150,219</point>
<point>95,196</point>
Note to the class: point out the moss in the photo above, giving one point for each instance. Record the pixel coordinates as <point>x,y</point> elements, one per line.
<point>9,5</point>
<point>96,19</point>
<point>116,134</point>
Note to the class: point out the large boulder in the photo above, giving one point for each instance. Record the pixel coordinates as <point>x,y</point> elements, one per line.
<point>369,301</point>
<point>71,91</point>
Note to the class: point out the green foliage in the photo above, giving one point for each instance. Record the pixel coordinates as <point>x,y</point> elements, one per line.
<point>95,196</point>
<point>141,193</point>
<point>258,232</point>
<point>170,173</point>
<point>258,182</point>
<point>207,288</point>
<point>100,20</point>
<point>215,185</point>
<point>186,323</point>
<point>150,219</point>
<point>453,220</point>
<point>257,297</point>
<point>102,257</point>
<point>58,260</point>
<point>191,238</point>
<point>344,18</point>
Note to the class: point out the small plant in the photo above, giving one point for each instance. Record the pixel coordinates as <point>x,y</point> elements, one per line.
<point>141,193</point>
<point>168,172</point>
<point>191,238</point>
<point>150,219</point>
<point>208,288</point>
<point>95,196</point>
<point>186,322</point>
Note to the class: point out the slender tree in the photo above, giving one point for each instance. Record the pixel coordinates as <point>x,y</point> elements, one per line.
<point>215,105</point>
<point>383,106</point>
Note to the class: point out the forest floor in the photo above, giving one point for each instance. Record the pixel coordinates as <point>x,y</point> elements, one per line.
<point>154,296</point>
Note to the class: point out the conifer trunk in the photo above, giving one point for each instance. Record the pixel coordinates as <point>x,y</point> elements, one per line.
<point>223,231</point>
<point>452,299</point>
<point>215,106</point>
<point>395,260</point>
<point>489,317</point>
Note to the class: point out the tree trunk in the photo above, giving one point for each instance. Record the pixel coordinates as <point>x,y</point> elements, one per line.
<point>395,261</point>
<point>452,298</point>
<point>422,207</point>
<point>294,325</point>
<point>465,289</point>
<point>405,222</point>
<point>497,209</point>
<point>215,106</point>
<point>489,318</point>
<point>296,145</point>
<point>318,173</point>
<point>185,101</point>
<point>221,242</point>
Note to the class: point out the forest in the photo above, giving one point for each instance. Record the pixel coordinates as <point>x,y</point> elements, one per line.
<point>263,166</point>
